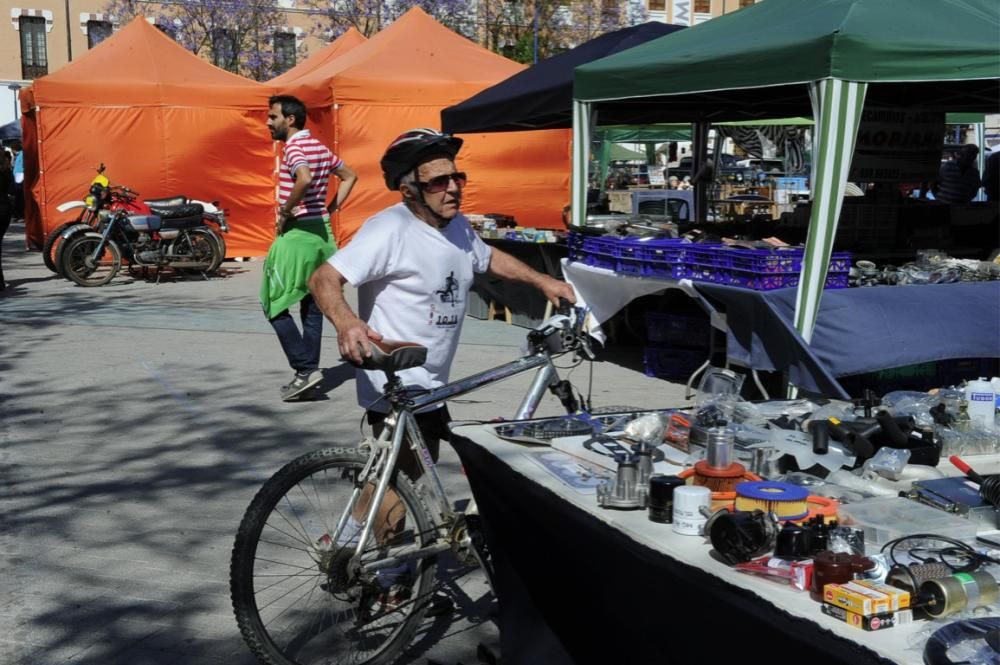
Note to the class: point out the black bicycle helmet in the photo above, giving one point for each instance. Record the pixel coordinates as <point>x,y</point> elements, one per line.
<point>410,148</point>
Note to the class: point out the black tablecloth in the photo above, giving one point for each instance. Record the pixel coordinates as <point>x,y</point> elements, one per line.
<point>526,303</point>
<point>574,590</point>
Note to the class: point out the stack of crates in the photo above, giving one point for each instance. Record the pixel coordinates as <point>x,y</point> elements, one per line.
<point>676,345</point>
<point>761,269</point>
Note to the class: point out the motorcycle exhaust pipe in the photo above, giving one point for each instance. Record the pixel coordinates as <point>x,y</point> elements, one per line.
<point>194,265</point>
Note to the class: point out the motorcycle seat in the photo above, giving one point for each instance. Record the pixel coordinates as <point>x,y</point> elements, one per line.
<point>393,356</point>
<point>167,202</point>
<point>182,222</point>
<point>177,211</point>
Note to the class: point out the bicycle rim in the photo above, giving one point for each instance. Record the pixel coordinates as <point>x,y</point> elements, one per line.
<point>297,597</point>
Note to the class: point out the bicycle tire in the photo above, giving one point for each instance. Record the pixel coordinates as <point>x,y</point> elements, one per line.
<point>279,532</point>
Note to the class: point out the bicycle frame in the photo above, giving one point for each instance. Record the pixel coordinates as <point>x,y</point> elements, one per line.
<point>401,422</point>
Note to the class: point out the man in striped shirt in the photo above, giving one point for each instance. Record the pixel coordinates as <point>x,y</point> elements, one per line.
<point>303,240</point>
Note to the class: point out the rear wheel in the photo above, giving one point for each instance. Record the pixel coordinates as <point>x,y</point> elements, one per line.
<point>80,265</point>
<point>221,242</point>
<point>198,246</point>
<point>298,595</point>
<point>50,249</point>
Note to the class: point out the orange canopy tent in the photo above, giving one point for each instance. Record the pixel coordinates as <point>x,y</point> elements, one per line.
<point>164,122</point>
<point>321,58</point>
<point>401,78</point>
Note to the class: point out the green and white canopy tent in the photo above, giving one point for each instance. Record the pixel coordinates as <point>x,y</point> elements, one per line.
<point>785,58</point>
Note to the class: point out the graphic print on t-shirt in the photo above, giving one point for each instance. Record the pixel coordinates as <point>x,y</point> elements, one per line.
<point>450,297</point>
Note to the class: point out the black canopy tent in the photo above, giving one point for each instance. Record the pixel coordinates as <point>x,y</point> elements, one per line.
<point>541,97</point>
<point>11,131</point>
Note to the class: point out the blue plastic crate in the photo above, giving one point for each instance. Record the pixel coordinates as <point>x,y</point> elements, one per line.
<point>677,329</point>
<point>771,281</point>
<point>671,363</point>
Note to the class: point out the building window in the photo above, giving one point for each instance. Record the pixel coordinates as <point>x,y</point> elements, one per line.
<point>702,6</point>
<point>97,32</point>
<point>34,59</point>
<point>224,49</point>
<point>746,3</point>
<point>284,51</point>
<point>657,5</point>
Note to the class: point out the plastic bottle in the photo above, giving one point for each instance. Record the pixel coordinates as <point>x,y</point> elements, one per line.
<point>982,402</point>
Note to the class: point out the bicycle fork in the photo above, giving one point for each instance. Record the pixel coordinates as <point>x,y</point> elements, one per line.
<point>388,463</point>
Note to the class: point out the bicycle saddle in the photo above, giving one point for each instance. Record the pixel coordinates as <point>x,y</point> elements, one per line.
<point>392,356</point>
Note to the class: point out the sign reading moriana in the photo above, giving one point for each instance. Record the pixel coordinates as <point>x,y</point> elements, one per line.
<point>898,145</point>
<point>681,12</point>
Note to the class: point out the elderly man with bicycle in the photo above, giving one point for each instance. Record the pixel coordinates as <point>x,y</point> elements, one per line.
<point>401,261</point>
<point>335,559</point>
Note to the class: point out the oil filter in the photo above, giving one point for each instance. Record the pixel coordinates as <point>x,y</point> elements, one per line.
<point>661,497</point>
<point>688,502</point>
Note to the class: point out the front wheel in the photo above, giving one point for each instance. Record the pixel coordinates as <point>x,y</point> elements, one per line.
<point>298,595</point>
<point>80,265</point>
<point>51,243</point>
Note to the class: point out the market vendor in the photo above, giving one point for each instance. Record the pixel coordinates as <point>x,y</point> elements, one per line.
<point>958,182</point>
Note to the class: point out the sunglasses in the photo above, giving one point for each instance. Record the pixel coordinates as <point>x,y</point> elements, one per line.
<point>440,183</point>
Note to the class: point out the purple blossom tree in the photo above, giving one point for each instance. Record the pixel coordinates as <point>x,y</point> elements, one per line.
<point>370,16</point>
<point>242,36</point>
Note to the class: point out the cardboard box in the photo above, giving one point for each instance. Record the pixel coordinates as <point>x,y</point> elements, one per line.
<point>899,599</point>
<point>872,622</point>
<point>856,598</point>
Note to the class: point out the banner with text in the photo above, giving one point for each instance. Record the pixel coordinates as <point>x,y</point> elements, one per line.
<point>898,145</point>
<point>680,12</point>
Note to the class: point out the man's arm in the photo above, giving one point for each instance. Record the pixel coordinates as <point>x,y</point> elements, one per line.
<point>504,265</point>
<point>327,287</point>
<point>347,180</point>
<point>303,178</point>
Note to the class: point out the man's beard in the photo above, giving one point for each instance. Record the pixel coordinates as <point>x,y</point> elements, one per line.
<point>279,134</point>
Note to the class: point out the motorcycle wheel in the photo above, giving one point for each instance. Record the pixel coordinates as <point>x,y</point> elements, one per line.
<point>52,242</point>
<point>220,241</point>
<point>199,245</point>
<point>77,264</point>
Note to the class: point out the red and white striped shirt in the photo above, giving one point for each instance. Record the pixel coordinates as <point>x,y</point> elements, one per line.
<point>303,149</point>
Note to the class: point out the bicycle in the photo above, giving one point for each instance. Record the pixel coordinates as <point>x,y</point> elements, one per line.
<point>322,570</point>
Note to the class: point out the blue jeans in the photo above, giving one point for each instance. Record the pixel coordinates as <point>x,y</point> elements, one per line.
<point>301,349</point>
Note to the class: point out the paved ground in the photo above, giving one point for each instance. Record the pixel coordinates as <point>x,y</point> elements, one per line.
<point>137,420</point>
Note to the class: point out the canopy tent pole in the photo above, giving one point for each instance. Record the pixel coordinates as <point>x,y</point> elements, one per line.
<point>980,129</point>
<point>837,107</point>
<point>699,134</point>
<point>604,159</point>
<point>581,157</point>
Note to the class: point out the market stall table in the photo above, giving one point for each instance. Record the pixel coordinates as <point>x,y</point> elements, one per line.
<point>525,303</point>
<point>580,584</point>
<point>858,330</point>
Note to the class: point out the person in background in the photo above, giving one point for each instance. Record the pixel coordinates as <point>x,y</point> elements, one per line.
<point>6,204</point>
<point>303,240</point>
<point>991,175</point>
<point>958,181</point>
<point>673,182</point>
<point>18,169</point>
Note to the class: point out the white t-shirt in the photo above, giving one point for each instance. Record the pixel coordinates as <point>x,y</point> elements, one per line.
<point>413,283</point>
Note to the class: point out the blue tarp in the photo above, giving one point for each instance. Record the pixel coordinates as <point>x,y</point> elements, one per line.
<point>541,97</point>
<point>859,330</point>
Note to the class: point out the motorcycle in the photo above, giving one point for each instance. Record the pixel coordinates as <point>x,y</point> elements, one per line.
<point>104,199</point>
<point>156,233</point>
